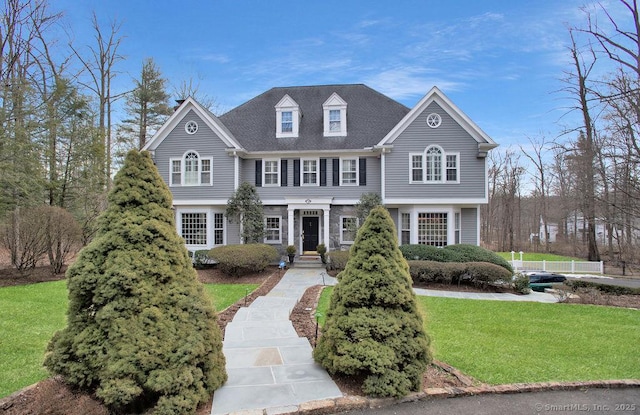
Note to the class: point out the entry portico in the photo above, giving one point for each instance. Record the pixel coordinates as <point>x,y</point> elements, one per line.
<point>313,214</point>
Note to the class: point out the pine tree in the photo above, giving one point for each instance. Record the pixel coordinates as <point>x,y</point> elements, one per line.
<point>141,332</point>
<point>245,206</point>
<point>374,330</point>
<point>147,106</point>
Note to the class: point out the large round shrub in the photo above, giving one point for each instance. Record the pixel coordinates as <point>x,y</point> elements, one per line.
<point>238,260</point>
<point>420,252</point>
<point>473,253</point>
<point>373,328</point>
<point>141,332</point>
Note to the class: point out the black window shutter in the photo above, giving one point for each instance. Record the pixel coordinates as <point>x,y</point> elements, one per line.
<point>336,172</point>
<point>258,173</point>
<point>283,173</point>
<point>296,172</point>
<point>323,172</point>
<point>363,171</point>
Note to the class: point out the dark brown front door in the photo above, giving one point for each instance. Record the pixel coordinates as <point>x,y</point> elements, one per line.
<point>310,229</point>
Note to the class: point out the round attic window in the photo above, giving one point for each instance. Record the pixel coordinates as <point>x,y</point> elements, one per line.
<point>191,127</point>
<point>434,120</point>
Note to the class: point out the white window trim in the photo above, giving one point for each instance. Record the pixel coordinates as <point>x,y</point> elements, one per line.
<point>357,182</point>
<point>335,102</point>
<point>182,170</point>
<point>179,210</point>
<point>317,183</point>
<point>279,240</point>
<point>342,229</point>
<point>443,164</point>
<point>287,104</point>
<point>264,173</point>
<point>414,211</point>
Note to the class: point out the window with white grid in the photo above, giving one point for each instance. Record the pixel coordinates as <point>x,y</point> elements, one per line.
<point>432,229</point>
<point>194,228</point>
<point>434,165</point>
<point>272,229</point>
<point>271,173</point>
<point>417,172</point>
<point>176,172</point>
<point>287,121</point>
<point>452,168</point>
<point>309,172</point>
<point>334,121</point>
<point>405,227</point>
<point>349,172</point>
<point>349,226</point>
<point>218,229</point>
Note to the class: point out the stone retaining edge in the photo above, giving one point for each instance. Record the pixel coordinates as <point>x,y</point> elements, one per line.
<point>349,403</point>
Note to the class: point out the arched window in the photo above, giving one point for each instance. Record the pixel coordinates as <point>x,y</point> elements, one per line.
<point>191,168</point>
<point>433,165</point>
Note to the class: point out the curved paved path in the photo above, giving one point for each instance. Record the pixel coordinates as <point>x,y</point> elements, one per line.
<point>271,368</point>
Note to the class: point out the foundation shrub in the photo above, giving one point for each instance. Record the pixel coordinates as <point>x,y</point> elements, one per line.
<point>337,260</point>
<point>483,274</point>
<point>238,260</point>
<point>419,252</point>
<point>424,272</point>
<point>472,253</point>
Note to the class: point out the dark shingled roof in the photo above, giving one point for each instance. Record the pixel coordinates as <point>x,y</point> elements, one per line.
<point>370,116</point>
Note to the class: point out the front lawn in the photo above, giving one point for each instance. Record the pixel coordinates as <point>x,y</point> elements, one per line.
<point>30,314</point>
<point>500,342</point>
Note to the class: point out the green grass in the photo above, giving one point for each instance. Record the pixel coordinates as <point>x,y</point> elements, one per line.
<point>505,342</point>
<point>224,295</point>
<point>30,314</point>
<point>538,256</point>
<point>323,305</point>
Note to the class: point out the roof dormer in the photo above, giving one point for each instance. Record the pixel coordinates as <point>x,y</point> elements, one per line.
<point>335,116</point>
<point>287,117</point>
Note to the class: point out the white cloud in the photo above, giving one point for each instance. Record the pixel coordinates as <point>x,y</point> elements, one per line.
<point>409,82</point>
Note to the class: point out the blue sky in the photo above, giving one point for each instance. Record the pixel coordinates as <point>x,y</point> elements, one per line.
<point>500,61</point>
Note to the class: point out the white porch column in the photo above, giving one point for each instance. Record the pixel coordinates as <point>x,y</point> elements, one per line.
<point>290,230</point>
<point>326,228</point>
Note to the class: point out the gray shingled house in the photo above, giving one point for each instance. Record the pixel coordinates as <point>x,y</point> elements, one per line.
<point>312,152</point>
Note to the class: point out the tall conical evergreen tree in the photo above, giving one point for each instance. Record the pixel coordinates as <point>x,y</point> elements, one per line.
<point>141,331</point>
<point>373,328</point>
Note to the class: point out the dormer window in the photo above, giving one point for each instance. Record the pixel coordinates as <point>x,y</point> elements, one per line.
<point>335,116</point>
<point>287,118</point>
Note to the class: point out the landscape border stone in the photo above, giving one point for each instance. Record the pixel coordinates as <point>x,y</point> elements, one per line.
<point>350,403</point>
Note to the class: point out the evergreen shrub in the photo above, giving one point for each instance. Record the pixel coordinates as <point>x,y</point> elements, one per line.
<point>141,331</point>
<point>238,260</point>
<point>472,253</point>
<point>436,272</point>
<point>521,283</point>
<point>484,273</point>
<point>373,329</point>
<point>420,252</point>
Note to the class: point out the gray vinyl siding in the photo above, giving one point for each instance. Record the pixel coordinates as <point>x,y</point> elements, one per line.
<point>453,139</point>
<point>469,226</point>
<point>207,144</point>
<point>248,171</point>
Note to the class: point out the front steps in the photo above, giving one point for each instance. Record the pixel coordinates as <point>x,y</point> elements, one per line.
<point>308,261</point>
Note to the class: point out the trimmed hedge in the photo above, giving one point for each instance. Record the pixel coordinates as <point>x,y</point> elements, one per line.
<point>238,260</point>
<point>419,252</point>
<point>476,273</point>
<point>485,273</point>
<point>472,253</point>
<point>603,288</point>
<point>432,271</point>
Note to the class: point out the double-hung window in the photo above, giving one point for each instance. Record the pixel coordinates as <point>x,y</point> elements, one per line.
<point>310,172</point>
<point>334,121</point>
<point>191,170</point>
<point>348,228</point>
<point>273,233</point>
<point>349,172</point>
<point>271,173</point>
<point>434,166</point>
<point>405,226</point>
<point>287,121</point>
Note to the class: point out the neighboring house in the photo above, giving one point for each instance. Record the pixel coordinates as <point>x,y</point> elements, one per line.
<point>312,152</point>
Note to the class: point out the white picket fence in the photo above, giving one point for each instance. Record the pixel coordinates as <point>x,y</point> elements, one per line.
<point>589,267</point>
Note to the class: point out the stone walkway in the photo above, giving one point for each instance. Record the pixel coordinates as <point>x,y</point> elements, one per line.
<point>271,368</point>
